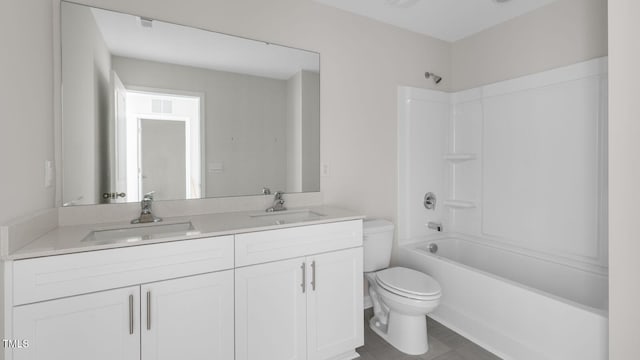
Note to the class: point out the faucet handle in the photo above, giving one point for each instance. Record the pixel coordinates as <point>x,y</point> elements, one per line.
<point>149,195</point>
<point>145,212</point>
<point>278,202</point>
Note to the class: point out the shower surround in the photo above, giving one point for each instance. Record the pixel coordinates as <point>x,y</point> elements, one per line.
<point>518,166</point>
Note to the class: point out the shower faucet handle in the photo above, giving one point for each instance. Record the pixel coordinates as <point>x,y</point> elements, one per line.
<point>430,201</point>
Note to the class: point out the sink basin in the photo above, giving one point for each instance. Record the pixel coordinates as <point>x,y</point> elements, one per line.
<point>139,233</point>
<point>288,216</point>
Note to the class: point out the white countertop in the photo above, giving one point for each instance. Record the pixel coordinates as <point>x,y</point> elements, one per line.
<point>69,239</point>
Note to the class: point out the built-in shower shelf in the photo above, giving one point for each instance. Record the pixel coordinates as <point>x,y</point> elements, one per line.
<point>459,157</point>
<point>459,204</point>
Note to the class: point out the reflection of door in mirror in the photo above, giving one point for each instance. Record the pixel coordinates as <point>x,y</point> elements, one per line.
<point>163,147</point>
<point>119,150</point>
<point>163,152</point>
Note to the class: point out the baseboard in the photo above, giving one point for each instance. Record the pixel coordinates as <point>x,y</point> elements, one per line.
<point>350,355</point>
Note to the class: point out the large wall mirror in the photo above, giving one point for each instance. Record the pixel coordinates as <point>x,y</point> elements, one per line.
<point>149,106</point>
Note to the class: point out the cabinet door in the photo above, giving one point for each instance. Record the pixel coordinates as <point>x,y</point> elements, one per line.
<point>188,318</point>
<point>334,304</point>
<point>99,326</point>
<point>271,311</point>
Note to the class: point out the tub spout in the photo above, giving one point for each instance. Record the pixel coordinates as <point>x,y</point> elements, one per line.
<point>437,226</point>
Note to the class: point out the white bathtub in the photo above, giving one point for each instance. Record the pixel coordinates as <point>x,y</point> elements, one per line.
<point>516,306</point>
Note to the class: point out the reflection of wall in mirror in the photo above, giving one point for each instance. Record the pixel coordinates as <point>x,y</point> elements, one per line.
<point>246,124</point>
<point>86,93</point>
<point>303,132</point>
<point>310,131</point>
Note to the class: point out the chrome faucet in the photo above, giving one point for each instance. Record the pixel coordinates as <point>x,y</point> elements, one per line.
<point>145,213</point>
<point>278,203</point>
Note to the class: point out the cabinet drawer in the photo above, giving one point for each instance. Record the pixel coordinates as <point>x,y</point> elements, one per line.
<point>64,275</point>
<point>263,246</point>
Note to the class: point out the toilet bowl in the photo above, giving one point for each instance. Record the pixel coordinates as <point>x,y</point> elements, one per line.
<point>401,297</point>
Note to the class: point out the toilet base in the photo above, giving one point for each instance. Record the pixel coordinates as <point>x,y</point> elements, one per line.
<point>407,333</point>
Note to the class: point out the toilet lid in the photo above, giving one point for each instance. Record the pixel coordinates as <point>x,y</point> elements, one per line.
<point>408,281</point>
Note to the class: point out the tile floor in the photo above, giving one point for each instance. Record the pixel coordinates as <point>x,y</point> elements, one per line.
<point>444,344</point>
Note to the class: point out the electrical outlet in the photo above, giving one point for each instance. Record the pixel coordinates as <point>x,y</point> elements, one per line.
<point>324,171</point>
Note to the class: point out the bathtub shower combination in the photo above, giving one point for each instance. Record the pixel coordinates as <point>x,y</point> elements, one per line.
<point>518,169</point>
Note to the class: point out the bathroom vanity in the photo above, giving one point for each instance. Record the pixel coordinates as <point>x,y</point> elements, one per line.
<point>235,286</point>
<point>82,283</point>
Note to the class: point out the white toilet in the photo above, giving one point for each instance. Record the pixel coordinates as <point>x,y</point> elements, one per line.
<point>401,297</point>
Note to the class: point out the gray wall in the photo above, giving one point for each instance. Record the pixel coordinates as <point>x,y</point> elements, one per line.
<point>26,125</point>
<point>563,33</point>
<point>624,177</point>
<point>244,127</point>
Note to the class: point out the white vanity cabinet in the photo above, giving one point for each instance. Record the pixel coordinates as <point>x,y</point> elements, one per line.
<point>307,307</point>
<point>285,294</point>
<point>94,326</point>
<point>62,309</point>
<point>185,318</point>
<point>188,318</point>
<point>334,304</point>
<point>271,311</point>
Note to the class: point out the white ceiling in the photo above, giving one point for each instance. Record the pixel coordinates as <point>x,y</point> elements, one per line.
<point>182,45</point>
<point>449,20</point>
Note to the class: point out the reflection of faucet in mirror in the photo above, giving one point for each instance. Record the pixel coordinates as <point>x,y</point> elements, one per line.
<point>278,202</point>
<point>145,214</point>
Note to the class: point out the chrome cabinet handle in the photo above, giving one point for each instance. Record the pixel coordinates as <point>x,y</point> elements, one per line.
<point>313,275</point>
<point>304,277</point>
<point>148,310</point>
<point>131,314</point>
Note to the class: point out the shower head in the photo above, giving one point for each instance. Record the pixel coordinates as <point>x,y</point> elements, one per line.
<point>435,77</point>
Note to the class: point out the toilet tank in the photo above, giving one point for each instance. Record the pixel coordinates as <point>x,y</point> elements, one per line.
<point>378,239</point>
